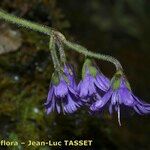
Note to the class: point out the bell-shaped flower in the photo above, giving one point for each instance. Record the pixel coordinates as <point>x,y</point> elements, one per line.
<point>62,95</point>
<point>93,82</point>
<point>118,95</point>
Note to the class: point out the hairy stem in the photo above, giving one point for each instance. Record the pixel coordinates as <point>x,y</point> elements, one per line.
<point>61,51</point>
<point>52,49</point>
<point>48,31</point>
<point>24,23</point>
<point>84,51</point>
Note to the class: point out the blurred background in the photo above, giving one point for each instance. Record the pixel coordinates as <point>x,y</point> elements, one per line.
<point>120,28</point>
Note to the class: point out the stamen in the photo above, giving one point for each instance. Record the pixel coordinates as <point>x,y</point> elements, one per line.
<point>62,107</point>
<point>119,115</point>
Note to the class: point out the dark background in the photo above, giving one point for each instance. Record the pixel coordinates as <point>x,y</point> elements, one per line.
<point>120,28</point>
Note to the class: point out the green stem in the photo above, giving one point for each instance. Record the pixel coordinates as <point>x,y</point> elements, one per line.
<point>24,23</point>
<point>61,51</point>
<point>84,51</point>
<point>48,31</point>
<point>52,49</point>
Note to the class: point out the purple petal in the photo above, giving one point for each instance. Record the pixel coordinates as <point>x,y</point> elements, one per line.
<point>72,82</point>
<point>83,88</point>
<point>137,110</point>
<point>50,95</point>
<point>143,109</point>
<point>50,106</point>
<point>75,97</point>
<point>86,87</point>
<point>92,88</point>
<point>72,91</point>
<point>79,87</point>
<point>123,83</point>
<point>49,110</point>
<point>115,98</point>
<point>71,106</point>
<point>61,89</point>
<point>58,108</point>
<point>98,97</point>
<point>125,97</point>
<point>101,103</point>
<point>110,109</point>
<point>102,82</point>
<point>69,71</point>
<point>140,101</point>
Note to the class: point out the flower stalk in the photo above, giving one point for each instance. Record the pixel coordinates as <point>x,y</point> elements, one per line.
<point>52,48</point>
<point>84,51</point>
<point>24,23</point>
<point>61,51</point>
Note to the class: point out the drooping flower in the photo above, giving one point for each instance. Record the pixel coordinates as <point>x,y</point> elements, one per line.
<point>62,95</point>
<point>93,82</point>
<point>118,95</point>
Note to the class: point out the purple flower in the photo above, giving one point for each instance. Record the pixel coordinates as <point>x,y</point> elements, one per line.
<point>62,95</point>
<point>120,94</point>
<point>93,84</point>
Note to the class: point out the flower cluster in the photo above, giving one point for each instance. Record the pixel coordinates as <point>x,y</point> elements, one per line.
<point>94,90</point>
